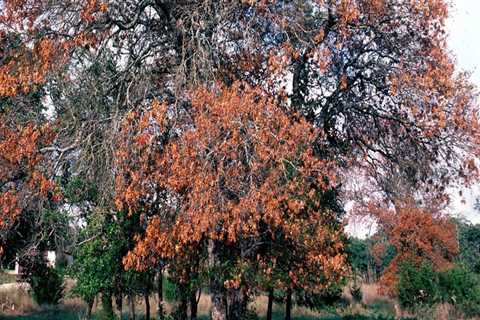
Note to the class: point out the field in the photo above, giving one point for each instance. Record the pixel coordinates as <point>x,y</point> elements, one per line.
<point>17,305</point>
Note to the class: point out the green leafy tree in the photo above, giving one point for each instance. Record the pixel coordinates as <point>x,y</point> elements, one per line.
<point>421,286</point>
<point>461,287</point>
<point>46,282</point>
<point>417,285</point>
<point>358,255</point>
<point>98,263</point>
<point>469,240</point>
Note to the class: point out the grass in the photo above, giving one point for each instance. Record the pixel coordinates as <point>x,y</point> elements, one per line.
<point>72,308</point>
<point>7,278</point>
<point>47,315</point>
<point>71,315</point>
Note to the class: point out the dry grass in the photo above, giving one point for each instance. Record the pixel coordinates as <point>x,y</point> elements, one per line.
<point>7,278</point>
<point>204,305</point>
<point>260,306</point>
<point>15,299</point>
<point>370,294</point>
<point>23,304</point>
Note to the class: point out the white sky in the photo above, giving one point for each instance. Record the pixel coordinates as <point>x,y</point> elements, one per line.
<point>463,27</point>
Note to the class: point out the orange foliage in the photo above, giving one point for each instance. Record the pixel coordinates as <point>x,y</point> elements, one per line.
<point>239,168</point>
<point>390,105</point>
<point>25,67</point>
<point>22,173</point>
<point>28,64</point>
<point>417,234</point>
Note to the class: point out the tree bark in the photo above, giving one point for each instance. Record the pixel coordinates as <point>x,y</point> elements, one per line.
<point>131,307</point>
<point>270,304</point>
<point>193,306</point>
<point>147,304</point>
<point>119,303</point>
<point>90,307</point>
<point>288,305</point>
<point>160,294</point>
<point>217,288</point>
<point>182,308</point>
<point>219,303</point>
<point>237,304</point>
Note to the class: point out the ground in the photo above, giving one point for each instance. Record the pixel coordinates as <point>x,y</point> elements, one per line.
<point>16,304</point>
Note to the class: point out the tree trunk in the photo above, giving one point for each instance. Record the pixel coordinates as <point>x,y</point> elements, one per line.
<point>288,305</point>
<point>119,303</point>
<point>147,304</point>
<point>217,289</point>
<point>182,308</point>
<point>160,294</point>
<point>193,306</point>
<point>270,304</point>
<point>90,307</point>
<point>131,307</point>
<point>219,303</point>
<point>237,304</point>
<point>107,305</point>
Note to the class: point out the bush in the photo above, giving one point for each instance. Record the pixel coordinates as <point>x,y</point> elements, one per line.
<point>170,290</point>
<point>417,286</point>
<point>250,315</point>
<point>461,288</point>
<point>319,301</point>
<point>423,287</point>
<point>47,285</point>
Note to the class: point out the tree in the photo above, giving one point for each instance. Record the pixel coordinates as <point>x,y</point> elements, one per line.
<point>418,236</point>
<point>98,264</point>
<point>46,282</point>
<point>241,169</point>
<point>282,256</point>
<point>373,77</point>
<point>420,286</point>
<point>469,245</point>
<point>358,255</point>
<point>29,198</point>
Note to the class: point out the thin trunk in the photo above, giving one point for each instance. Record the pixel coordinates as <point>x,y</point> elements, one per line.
<point>219,303</point>
<point>237,304</point>
<point>107,305</point>
<point>119,303</point>
<point>131,307</point>
<point>160,294</point>
<point>193,306</point>
<point>217,289</point>
<point>147,304</point>
<point>182,308</point>
<point>90,307</point>
<point>270,304</point>
<point>288,305</point>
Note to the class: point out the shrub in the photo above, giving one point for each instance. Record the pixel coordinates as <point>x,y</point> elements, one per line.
<point>423,287</point>
<point>47,285</point>
<point>319,301</point>
<point>417,286</point>
<point>170,290</point>
<point>461,288</point>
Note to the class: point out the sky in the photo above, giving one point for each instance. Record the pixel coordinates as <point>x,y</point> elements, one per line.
<point>463,25</point>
